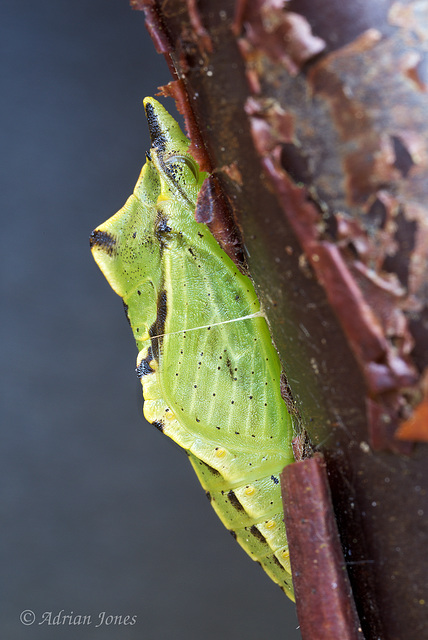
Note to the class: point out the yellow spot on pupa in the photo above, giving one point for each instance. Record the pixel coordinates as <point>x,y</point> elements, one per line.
<point>249,491</point>
<point>270,524</point>
<point>153,365</point>
<point>164,197</point>
<point>220,453</point>
<point>285,554</point>
<point>169,415</point>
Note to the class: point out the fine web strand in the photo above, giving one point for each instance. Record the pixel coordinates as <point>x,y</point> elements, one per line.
<point>258,314</point>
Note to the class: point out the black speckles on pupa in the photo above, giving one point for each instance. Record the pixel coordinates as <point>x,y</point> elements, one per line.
<point>125,308</point>
<point>162,228</point>
<point>258,534</point>
<point>231,371</point>
<point>157,137</point>
<point>159,424</point>
<point>163,232</point>
<point>102,240</point>
<point>144,368</point>
<point>158,327</point>
<point>235,502</point>
<point>209,469</point>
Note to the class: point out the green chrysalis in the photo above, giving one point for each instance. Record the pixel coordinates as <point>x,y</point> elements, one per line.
<point>209,371</point>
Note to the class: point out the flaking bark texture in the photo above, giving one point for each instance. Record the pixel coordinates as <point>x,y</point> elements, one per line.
<point>313,117</point>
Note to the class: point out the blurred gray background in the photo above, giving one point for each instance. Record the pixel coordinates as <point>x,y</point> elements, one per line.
<point>100,512</point>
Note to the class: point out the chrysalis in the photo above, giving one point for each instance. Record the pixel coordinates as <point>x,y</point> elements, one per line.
<point>209,371</point>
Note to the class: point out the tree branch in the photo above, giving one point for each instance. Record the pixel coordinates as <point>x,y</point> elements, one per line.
<point>313,117</point>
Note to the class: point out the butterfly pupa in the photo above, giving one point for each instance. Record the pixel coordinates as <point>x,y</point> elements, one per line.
<point>209,371</point>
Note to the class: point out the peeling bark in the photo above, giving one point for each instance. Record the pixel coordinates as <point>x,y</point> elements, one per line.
<point>313,119</point>
<point>324,600</point>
